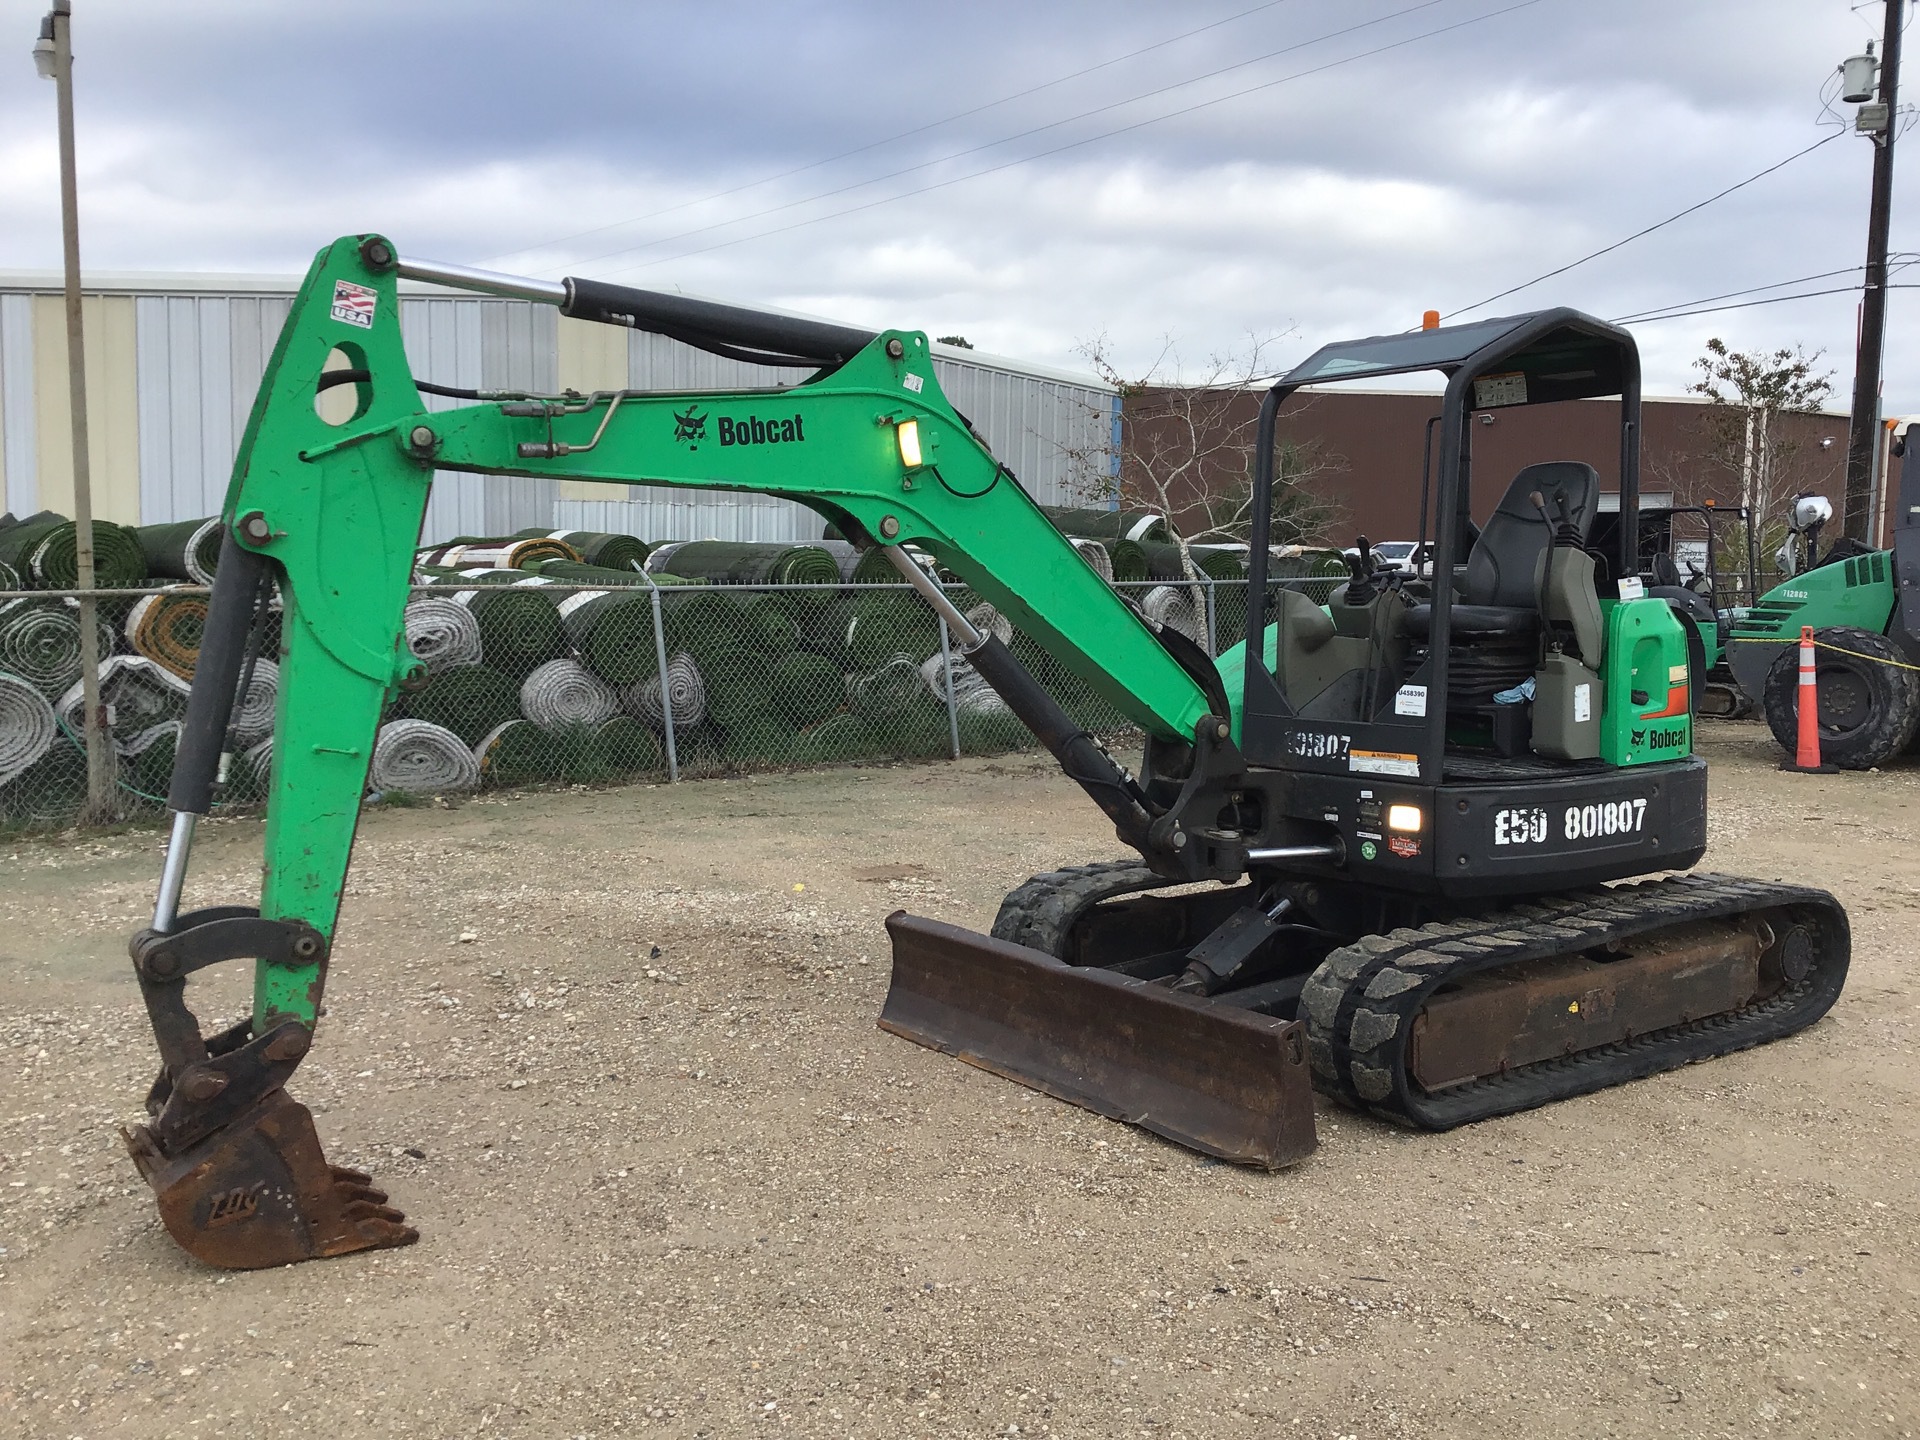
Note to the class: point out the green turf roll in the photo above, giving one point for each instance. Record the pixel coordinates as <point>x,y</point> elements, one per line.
<point>612,632</point>
<point>1163,563</point>
<point>520,627</point>
<point>890,692</point>
<point>842,737</point>
<point>760,739</point>
<point>184,550</point>
<point>628,748</point>
<point>469,700</point>
<point>515,752</point>
<point>572,572</point>
<point>505,552</point>
<point>727,562</point>
<point>1129,560</point>
<point>990,733</point>
<point>825,631</point>
<point>598,547</point>
<point>1109,524</point>
<point>806,688</point>
<point>739,687</point>
<point>575,756</point>
<point>889,623</point>
<point>43,553</point>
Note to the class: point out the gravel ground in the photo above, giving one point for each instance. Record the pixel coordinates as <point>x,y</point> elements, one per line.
<point>614,1053</point>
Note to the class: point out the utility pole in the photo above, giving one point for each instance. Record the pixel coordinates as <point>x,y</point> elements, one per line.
<point>1878,123</point>
<point>53,56</point>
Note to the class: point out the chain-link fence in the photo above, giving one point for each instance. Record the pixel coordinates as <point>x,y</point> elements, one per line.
<point>533,681</point>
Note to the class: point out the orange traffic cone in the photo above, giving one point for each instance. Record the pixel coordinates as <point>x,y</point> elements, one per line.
<point>1806,758</point>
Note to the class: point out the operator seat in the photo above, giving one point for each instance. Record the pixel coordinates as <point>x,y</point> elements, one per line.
<point>1498,596</point>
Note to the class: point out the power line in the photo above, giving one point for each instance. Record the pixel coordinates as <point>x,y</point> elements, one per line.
<point>1009,139</point>
<point>1090,139</point>
<point>903,135</point>
<point>1656,311</point>
<point>1748,304</point>
<point>1638,234</point>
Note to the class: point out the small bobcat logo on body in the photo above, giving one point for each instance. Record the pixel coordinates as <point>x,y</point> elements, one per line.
<point>689,427</point>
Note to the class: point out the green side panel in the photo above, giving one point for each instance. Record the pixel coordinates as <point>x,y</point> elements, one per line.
<point>1645,716</point>
<point>1232,665</point>
<point>1857,592</point>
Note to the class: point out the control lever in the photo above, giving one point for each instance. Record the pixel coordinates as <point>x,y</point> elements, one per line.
<point>1539,503</point>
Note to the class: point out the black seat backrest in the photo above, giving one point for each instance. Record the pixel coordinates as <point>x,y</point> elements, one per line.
<point>1500,570</point>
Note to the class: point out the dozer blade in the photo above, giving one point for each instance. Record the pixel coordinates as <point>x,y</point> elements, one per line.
<point>1222,1081</point>
<point>258,1192</point>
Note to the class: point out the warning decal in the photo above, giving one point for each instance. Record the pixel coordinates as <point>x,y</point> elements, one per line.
<point>354,304</point>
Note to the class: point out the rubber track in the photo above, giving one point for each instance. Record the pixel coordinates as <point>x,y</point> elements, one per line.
<point>1041,913</point>
<point>1360,1003</point>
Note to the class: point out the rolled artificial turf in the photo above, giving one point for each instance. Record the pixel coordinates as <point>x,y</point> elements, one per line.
<point>612,632</point>
<point>43,553</point>
<point>739,687</point>
<point>469,700</point>
<point>27,728</point>
<point>184,550</point>
<point>507,552</point>
<point>50,792</point>
<point>441,632</point>
<point>417,757</point>
<point>628,747</point>
<point>166,628</point>
<point>727,562</point>
<point>598,547</point>
<point>806,688</point>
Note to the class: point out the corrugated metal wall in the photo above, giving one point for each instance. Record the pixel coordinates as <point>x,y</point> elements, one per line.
<point>200,356</point>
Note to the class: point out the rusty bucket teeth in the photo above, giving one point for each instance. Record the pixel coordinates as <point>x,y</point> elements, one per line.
<point>259,1192</point>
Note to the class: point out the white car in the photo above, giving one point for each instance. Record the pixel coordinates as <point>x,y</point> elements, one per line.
<point>1398,555</point>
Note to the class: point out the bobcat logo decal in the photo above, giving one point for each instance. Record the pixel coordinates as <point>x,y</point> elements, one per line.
<point>689,427</point>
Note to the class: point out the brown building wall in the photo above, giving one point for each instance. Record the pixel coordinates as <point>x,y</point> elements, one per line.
<point>1371,444</point>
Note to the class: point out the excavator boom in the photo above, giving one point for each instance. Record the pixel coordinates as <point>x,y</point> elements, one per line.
<point>330,511</point>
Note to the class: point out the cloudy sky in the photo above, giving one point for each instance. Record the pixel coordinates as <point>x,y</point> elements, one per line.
<point>1163,179</point>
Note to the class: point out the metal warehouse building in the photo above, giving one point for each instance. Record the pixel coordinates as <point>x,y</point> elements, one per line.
<point>173,362</point>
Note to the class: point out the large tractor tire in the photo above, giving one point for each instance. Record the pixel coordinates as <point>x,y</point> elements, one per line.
<point>1869,704</point>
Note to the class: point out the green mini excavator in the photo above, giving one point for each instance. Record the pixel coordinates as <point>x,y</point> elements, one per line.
<point>1374,845</point>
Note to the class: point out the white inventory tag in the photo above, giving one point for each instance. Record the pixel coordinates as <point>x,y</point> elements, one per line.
<point>1410,700</point>
<point>1582,703</point>
<point>1383,762</point>
<point>574,602</point>
<point>1632,587</point>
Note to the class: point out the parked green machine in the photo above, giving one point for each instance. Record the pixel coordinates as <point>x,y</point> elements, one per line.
<point>1374,844</point>
<point>1864,605</point>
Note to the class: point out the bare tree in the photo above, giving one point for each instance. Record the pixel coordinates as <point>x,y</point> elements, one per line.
<point>1747,393</point>
<point>1187,445</point>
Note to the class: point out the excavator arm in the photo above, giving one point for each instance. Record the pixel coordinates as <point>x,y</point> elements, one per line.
<point>330,510</point>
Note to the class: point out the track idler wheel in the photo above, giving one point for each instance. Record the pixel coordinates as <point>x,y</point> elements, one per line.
<point>259,1192</point>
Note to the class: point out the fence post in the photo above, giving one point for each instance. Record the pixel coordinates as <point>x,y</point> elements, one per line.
<point>666,699</point>
<point>953,710</point>
<point>1213,633</point>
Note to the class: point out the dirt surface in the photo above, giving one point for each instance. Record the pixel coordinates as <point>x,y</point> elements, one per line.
<point>622,1070</point>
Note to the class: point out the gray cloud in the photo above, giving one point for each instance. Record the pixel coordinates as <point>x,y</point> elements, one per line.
<point>239,136</point>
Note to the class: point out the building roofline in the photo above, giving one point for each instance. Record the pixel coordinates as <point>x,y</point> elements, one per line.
<point>244,285</point>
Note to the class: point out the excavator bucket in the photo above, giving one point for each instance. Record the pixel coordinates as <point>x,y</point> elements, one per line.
<point>1222,1081</point>
<point>258,1192</point>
